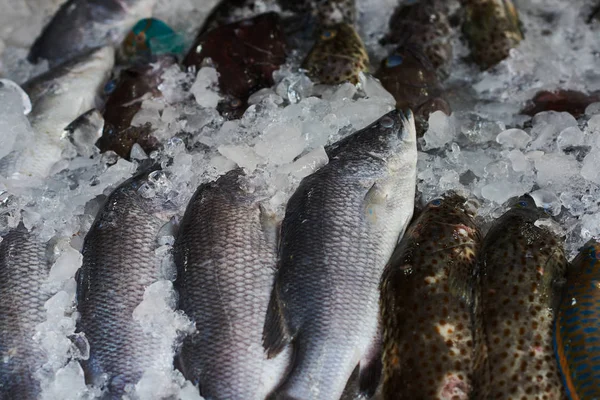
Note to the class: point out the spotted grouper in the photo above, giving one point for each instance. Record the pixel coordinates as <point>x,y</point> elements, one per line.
<point>576,333</point>
<point>492,28</point>
<point>522,267</point>
<point>338,55</point>
<point>425,306</point>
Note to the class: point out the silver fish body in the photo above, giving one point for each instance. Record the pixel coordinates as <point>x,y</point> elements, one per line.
<point>340,228</point>
<point>226,258</point>
<point>58,97</point>
<point>119,262</point>
<point>81,25</point>
<point>23,271</point>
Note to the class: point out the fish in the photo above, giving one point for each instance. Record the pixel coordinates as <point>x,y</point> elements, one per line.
<point>340,228</point>
<point>125,96</point>
<point>245,54</point>
<point>492,28</point>
<point>24,270</point>
<point>151,37</point>
<point>58,98</point>
<point>561,100</point>
<point>338,55</point>
<point>427,291</point>
<point>225,254</point>
<point>521,274</point>
<point>410,77</point>
<point>119,262</point>
<point>333,12</point>
<point>576,326</point>
<point>425,25</point>
<point>82,25</point>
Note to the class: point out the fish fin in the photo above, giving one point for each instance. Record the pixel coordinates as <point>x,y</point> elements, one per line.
<point>374,202</point>
<point>371,367</point>
<point>275,333</point>
<point>271,225</point>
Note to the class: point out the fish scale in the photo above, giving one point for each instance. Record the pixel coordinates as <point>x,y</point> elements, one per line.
<point>576,334</point>
<point>426,301</point>
<point>119,262</point>
<point>23,271</point>
<point>226,258</point>
<point>521,268</point>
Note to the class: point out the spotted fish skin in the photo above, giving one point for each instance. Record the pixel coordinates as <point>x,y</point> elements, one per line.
<point>338,55</point>
<point>521,269</point>
<point>576,330</point>
<point>424,24</point>
<point>492,28</point>
<point>23,271</point>
<point>410,77</point>
<point>425,305</point>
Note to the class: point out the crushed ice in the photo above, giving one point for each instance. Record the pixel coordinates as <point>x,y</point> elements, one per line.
<point>485,149</point>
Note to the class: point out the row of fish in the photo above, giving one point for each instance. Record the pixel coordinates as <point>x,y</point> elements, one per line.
<point>245,53</point>
<point>297,317</point>
<point>296,312</point>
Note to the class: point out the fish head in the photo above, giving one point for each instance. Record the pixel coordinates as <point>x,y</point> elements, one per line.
<point>153,192</point>
<point>452,215</point>
<point>586,261</point>
<point>338,55</point>
<point>526,208</point>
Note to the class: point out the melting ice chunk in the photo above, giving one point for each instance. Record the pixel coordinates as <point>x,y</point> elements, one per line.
<point>546,127</point>
<point>571,136</point>
<point>516,138</point>
<point>205,87</point>
<point>441,130</point>
<point>280,143</point>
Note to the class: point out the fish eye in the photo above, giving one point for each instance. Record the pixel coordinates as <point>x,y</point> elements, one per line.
<point>522,204</point>
<point>140,37</point>
<point>393,61</point>
<point>110,86</point>
<point>235,103</point>
<point>387,122</point>
<point>328,34</point>
<point>436,202</point>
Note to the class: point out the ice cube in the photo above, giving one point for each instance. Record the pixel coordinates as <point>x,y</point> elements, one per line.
<point>547,200</point>
<point>308,163</point>
<point>441,130</point>
<point>243,155</point>
<point>205,87</point>
<point>593,125</point>
<point>571,136</point>
<point>520,163</point>
<point>66,265</point>
<point>513,138</point>
<point>546,127</point>
<point>592,109</point>
<point>280,143</point>
<point>502,190</point>
<point>556,169</point>
<point>590,169</point>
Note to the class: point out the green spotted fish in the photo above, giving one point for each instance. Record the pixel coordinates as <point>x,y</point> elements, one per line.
<point>338,55</point>
<point>425,305</point>
<point>522,267</point>
<point>492,28</point>
<point>577,332</point>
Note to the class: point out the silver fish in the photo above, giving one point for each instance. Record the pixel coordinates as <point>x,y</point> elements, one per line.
<point>340,228</point>
<point>226,259</point>
<point>23,271</point>
<point>58,97</point>
<point>119,262</point>
<point>81,25</point>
